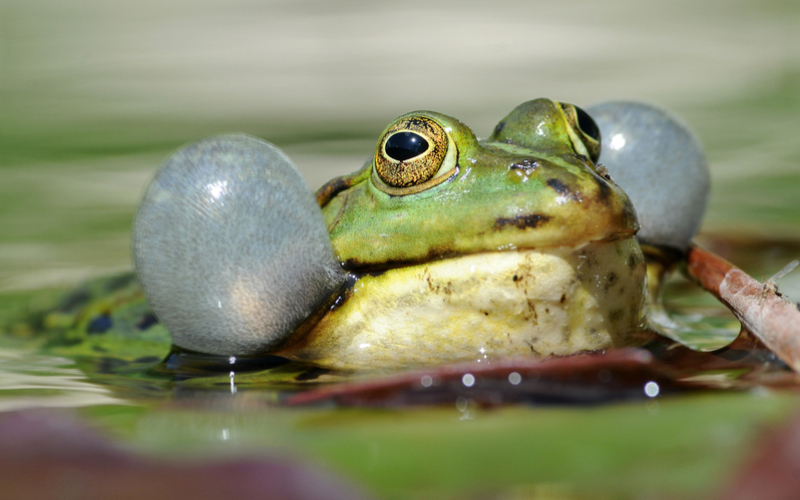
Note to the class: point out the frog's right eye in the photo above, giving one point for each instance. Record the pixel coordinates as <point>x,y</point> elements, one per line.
<point>584,132</point>
<point>414,154</point>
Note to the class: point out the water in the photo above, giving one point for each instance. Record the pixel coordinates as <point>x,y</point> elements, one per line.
<point>95,96</point>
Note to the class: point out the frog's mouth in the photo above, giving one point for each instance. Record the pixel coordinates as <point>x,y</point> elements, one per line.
<point>435,253</point>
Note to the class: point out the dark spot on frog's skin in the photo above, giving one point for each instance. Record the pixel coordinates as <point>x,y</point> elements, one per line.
<point>616,315</point>
<point>611,280</point>
<point>563,298</point>
<point>333,187</point>
<point>522,221</point>
<point>632,260</point>
<point>627,209</point>
<point>146,321</point>
<point>562,189</point>
<point>485,313</point>
<point>499,128</point>
<point>515,278</point>
<point>534,316</point>
<point>603,190</point>
<point>99,324</point>
<point>436,287</point>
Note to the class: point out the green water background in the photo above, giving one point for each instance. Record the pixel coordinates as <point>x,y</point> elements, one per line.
<point>93,96</point>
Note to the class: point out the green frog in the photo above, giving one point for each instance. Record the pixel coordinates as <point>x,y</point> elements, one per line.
<point>479,250</point>
<point>441,248</point>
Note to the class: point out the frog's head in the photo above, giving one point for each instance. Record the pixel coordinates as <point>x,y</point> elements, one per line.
<point>432,190</point>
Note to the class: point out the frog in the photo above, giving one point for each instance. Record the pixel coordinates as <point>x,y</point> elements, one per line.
<point>441,248</point>
<point>476,250</point>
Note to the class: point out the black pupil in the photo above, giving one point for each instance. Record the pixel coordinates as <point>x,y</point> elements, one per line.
<point>405,145</point>
<point>586,124</point>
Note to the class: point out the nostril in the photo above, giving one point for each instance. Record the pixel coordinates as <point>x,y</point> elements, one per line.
<point>527,165</point>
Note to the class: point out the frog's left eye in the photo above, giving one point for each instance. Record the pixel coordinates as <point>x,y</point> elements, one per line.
<point>414,154</point>
<point>584,132</point>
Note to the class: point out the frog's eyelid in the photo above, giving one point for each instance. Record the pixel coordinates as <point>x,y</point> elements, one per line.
<point>577,143</point>
<point>578,136</point>
<point>395,191</point>
<point>450,158</point>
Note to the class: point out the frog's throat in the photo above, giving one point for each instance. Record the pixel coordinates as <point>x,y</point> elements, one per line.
<point>483,306</point>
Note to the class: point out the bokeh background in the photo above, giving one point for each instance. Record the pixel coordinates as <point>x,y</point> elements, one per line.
<point>94,94</point>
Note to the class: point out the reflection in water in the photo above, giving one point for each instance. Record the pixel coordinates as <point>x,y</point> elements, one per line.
<point>29,380</point>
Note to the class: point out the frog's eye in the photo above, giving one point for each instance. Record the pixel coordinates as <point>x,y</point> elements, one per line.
<point>583,131</point>
<point>415,153</point>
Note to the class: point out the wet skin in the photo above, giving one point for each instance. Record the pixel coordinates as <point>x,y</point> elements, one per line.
<point>463,249</point>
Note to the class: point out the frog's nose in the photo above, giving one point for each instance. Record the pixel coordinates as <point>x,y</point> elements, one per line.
<point>659,162</point>
<point>231,248</point>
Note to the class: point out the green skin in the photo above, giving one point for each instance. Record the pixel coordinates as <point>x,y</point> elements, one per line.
<point>530,185</point>
<point>488,205</point>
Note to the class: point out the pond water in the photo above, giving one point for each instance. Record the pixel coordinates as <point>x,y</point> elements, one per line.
<point>96,95</point>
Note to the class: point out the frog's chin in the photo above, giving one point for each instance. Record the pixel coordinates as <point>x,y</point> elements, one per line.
<point>483,306</point>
